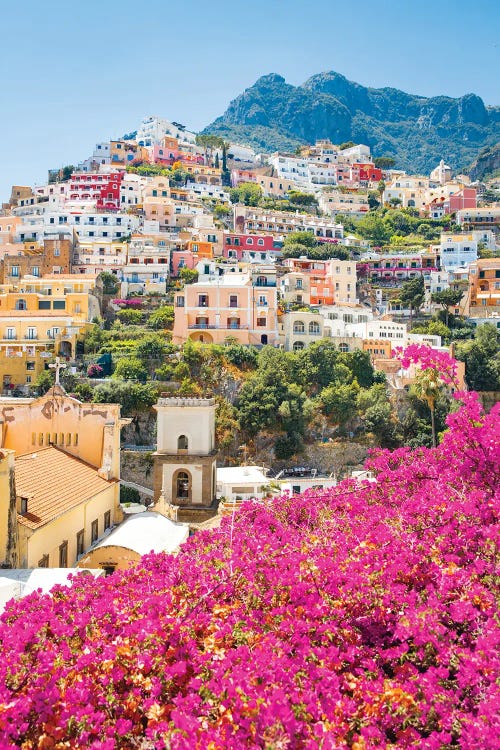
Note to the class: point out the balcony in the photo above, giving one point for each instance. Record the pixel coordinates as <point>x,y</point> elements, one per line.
<point>219,327</point>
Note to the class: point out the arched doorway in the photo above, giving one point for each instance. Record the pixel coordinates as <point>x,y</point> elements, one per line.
<point>65,349</point>
<point>181,486</point>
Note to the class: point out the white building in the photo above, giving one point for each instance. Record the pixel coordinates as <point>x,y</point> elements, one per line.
<point>152,130</point>
<point>457,250</point>
<point>241,482</point>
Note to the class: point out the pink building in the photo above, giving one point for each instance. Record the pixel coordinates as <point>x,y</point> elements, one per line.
<point>243,306</point>
<point>182,259</point>
<point>465,198</point>
<point>250,246</point>
<point>242,175</point>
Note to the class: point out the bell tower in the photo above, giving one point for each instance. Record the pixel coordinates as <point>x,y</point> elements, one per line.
<point>184,471</point>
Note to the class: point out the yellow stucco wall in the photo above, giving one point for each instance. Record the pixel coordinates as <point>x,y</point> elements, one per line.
<point>33,545</point>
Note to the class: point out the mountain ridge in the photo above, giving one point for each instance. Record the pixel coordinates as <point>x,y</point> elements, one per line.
<point>416,130</point>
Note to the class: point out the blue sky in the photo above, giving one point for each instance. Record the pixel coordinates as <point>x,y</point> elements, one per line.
<point>77,73</point>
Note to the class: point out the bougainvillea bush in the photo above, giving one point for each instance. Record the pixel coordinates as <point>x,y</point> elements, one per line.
<point>365,616</point>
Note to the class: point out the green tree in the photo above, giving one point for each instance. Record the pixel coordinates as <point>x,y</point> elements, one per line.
<point>307,239</point>
<point>248,193</point>
<point>110,283</point>
<point>447,298</point>
<point>133,397</point>
<point>130,317</point>
<point>302,199</point>
<point>221,211</point>
<point>94,339</point>
<point>346,144</point>
<point>427,387</point>
<point>162,317</point>
<point>339,402</point>
<point>374,228</point>
<point>130,368</point>
<point>188,275</point>
<point>45,381</point>
<point>151,351</point>
<point>482,359</point>
<point>384,162</point>
<point>373,199</point>
<point>412,295</point>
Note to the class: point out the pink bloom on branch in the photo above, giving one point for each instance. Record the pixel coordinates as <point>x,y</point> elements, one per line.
<point>428,358</point>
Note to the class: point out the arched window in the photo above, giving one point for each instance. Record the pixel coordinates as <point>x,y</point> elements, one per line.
<point>182,485</point>
<point>182,443</point>
<point>298,345</point>
<point>21,304</point>
<point>298,327</point>
<point>314,327</point>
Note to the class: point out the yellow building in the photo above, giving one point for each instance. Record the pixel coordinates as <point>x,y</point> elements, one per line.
<point>63,494</point>
<point>40,318</point>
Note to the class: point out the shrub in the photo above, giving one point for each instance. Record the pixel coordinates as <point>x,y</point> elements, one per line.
<point>364,616</point>
<point>94,371</point>
<point>130,317</point>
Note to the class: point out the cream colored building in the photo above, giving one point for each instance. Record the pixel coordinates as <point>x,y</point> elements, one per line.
<point>64,492</point>
<point>299,329</point>
<point>184,478</point>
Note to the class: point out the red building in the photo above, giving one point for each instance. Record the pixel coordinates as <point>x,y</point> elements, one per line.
<point>365,173</point>
<point>241,246</point>
<point>465,198</point>
<point>104,189</point>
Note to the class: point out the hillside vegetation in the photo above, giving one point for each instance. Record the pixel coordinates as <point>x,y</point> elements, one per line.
<point>417,131</point>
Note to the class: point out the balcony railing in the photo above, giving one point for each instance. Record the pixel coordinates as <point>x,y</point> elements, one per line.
<point>217,327</point>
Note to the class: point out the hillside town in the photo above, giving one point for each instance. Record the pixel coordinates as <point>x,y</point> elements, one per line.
<point>204,252</point>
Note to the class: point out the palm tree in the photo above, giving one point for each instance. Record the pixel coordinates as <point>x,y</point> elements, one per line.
<point>427,387</point>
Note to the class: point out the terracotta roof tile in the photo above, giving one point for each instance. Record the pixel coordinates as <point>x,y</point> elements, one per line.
<point>54,482</point>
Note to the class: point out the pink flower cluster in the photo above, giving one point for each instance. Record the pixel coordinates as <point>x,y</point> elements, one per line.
<point>428,358</point>
<point>361,617</point>
<point>134,303</point>
<point>94,370</point>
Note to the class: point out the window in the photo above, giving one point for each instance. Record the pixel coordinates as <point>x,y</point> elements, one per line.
<point>298,345</point>
<point>179,301</point>
<point>314,328</point>
<point>261,321</point>
<point>31,333</point>
<point>21,304</point>
<point>107,520</point>
<point>298,327</point>
<point>262,300</point>
<point>94,530</point>
<point>30,366</point>
<point>24,506</point>
<point>11,333</point>
<point>233,300</point>
<point>63,555</point>
<point>44,562</point>
<point>59,304</point>
<point>80,543</point>
<point>249,241</point>
<point>182,443</point>
<point>260,242</point>
<point>57,252</point>
<point>14,271</point>
<point>182,485</point>
<point>203,300</point>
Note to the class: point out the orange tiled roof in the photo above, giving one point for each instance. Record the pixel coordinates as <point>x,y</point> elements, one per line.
<point>54,482</point>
